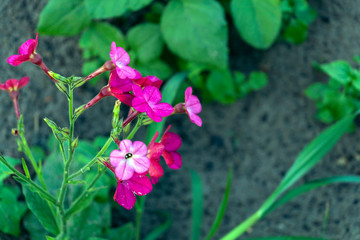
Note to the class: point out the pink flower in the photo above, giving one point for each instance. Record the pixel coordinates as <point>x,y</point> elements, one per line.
<point>148,81</point>
<point>192,107</point>
<point>138,184</point>
<point>26,52</point>
<point>120,88</point>
<point>148,100</point>
<point>121,59</point>
<point>129,159</point>
<point>126,190</point>
<point>12,86</point>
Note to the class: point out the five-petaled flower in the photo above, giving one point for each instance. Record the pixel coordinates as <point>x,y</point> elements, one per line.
<point>121,59</point>
<point>12,86</point>
<point>26,53</point>
<point>129,159</point>
<point>148,100</point>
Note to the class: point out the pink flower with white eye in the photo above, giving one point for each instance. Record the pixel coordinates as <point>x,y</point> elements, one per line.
<point>130,159</point>
<point>12,86</point>
<point>138,184</point>
<point>121,59</point>
<point>26,52</point>
<point>148,100</point>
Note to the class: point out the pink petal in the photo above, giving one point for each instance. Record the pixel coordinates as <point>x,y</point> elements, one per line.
<point>137,91</point>
<point>139,148</point>
<point>163,109</point>
<point>155,151</point>
<point>119,56</point>
<point>124,196</point>
<point>153,115</point>
<point>195,119</point>
<point>171,141</point>
<point>193,104</point>
<point>155,169</point>
<point>188,93</point>
<point>118,85</point>
<point>140,104</point>
<point>10,84</point>
<point>168,158</point>
<point>2,87</point>
<point>16,60</point>
<point>124,170</point>
<point>27,47</point>
<point>116,156</point>
<point>125,72</point>
<point>177,160</point>
<point>140,184</point>
<point>154,180</point>
<point>23,82</point>
<point>152,95</point>
<point>125,146</point>
<point>125,98</point>
<point>152,142</point>
<point>140,164</point>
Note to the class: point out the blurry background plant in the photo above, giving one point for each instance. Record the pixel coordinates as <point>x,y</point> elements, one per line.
<point>340,96</point>
<point>165,37</point>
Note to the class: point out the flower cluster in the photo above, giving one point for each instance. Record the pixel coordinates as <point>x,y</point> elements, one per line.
<point>136,166</point>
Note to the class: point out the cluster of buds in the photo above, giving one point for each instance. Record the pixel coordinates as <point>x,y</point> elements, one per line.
<point>136,165</point>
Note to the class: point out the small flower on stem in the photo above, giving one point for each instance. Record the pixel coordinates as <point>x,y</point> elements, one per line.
<point>192,107</point>
<point>129,159</point>
<point>148,81</point>
<point>27,52</point>
<point>12,86</point>
<point>121,59</point>
<point>148,100</point>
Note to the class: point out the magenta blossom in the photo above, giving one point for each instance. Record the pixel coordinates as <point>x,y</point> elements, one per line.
<point>12,86</point>
<point>129,159</point>
<point>192,107</point>
<point>120,88</point>
<point>148,100</point>
<point>26,52</point>
<point>148,81</point>
<point>121,59</point>
<point>138,184</point>
<point>126,190</point>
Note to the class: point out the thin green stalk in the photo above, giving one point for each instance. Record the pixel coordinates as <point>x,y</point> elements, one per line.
<point>65,184</point>
<point>135,129</point>
<point>93,161</point>
<point>43,192</point>
<point>75,204</point>
<point>139,212</point>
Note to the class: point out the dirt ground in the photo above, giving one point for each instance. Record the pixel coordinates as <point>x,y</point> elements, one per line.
<point>259,135</point>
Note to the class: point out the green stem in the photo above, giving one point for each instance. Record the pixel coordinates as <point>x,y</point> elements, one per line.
<point>84,194</point>
<point>139,212</point>
<point>93,161</point>
<point>135,129</point>
<point>65,184</point>
<point>43,192</point>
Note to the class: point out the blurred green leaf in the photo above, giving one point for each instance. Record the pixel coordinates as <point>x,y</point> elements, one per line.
<point>197,205</point>
<point>11,210</point>
<point>338,70</point>
<point>196,31</point>
<point>63,17</point>
<point>98,38</point>
<point>257,80</point>
<point>295,32</point>
<point>257,21</point>
<point>41,209</point>
<point>315,91</point>
<point>286,238</point>
<point>33,226</point>
<point>125,232</point>
<point>157,68</point>
<point>221,86</point>
<point>145,39</point>
<point>159,230</point>
<point>4,171</point>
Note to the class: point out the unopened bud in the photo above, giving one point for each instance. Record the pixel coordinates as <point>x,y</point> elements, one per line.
<point>75,143</point>
<point>116,112</point>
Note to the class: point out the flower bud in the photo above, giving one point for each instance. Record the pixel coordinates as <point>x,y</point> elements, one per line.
<point>116,112</point>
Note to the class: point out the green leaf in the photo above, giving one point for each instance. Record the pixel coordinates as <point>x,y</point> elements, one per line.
<point>159,230</point>
<point>295,32</point>
<point>257,21</point>
<point>11,210</point>
<point>157,68</point>
<point>222,208</point>
<point>315,91</point>
<point>221,86</point>
<point>41,209</point>
<point>91,222</point>
<point>293,193</point>
<point>168,95</point>
<point>338,70</point>
<point>113,8</point>
<point>125,232</point>
<point>4,171</point>
<point>98,38</point>
<point>145,39</point>
<point>63,17</point>
<point>33,226</point>
<point>196,31</point>
<point>197,205</point>
<point>257,80</point>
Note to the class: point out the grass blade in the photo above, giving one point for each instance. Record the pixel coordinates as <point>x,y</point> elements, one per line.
<point>286,238</point>
<point>222,208</point>
<point>291,194</point>
<point>197,206</point>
